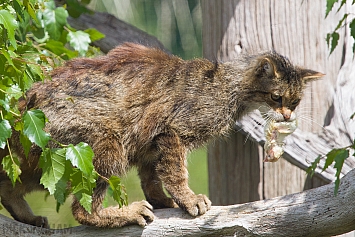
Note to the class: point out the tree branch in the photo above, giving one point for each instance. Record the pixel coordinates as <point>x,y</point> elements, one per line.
<point>116,31</point>
<point>315,212</point>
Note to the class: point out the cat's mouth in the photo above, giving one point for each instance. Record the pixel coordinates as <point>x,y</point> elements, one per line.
<point>282,115</point>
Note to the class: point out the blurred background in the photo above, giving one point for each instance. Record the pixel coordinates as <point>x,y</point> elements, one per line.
<point>177,24</point>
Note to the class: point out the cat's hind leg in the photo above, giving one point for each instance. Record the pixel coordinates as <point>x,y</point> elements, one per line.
<point>109,161</point>
<point>12,198</point>
<point>139,213</point>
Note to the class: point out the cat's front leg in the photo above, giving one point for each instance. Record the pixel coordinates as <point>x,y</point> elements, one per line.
<point>171,169</point>
<point>153,187</point>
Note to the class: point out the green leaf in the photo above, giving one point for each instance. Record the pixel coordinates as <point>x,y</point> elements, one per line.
<point>54,20</point>
<point>34,122</point>
<point>311,170</point>
<point>79,40</point>
<point>83,185</point>
<point>6,54</point>
<point>30,10</point>
<point>330,4</point>
<point>58,48</point>
<point>11,165</point>
<point>330,158</point>
<point>341,156</point>
<point>81,156</point>
<point>26,144</point>
<point>352,116</point>
<point>5,132</point>
<point>118,190</point>
<point>341,5</point>
<point>86,201</point>
<point>334,37</point>
<point>52,162</point>
<point>62,189</point>
<point>61,192</point>
<point>94,34</point>
<point>75,8</point>
<point>10,24</point>
<point>352,32</point>
<point>340,23</point>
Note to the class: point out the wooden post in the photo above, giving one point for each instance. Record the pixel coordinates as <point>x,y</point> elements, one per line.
<point>296,29</point>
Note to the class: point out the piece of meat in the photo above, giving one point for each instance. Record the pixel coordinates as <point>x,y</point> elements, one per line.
<point>275,133</point>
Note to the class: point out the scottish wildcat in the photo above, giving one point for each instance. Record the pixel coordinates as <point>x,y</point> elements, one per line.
<point>139,106</point>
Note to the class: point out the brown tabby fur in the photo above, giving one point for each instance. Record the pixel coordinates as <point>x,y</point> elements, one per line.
<point>139,106</point>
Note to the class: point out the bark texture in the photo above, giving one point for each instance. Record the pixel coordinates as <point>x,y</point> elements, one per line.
<point>315,212</point>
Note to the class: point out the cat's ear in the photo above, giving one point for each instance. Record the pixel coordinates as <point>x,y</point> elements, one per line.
<point>308,75</point>
<point>267,67</point>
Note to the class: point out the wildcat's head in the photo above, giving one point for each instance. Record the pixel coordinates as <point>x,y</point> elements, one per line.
<point>277,85</point>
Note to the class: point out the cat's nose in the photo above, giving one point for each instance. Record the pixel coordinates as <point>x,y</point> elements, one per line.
<point>287,116</point>
<point>286,113</point>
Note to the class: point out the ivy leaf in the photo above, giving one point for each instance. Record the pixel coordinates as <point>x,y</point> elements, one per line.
<point>5,132</point>
<point>332,40</point>
<point>117,188</point>
<point>79,40</point>
<point>54,20</point>
<point>34,122</point>
<point>339,161</point>
<point>330,4</point>
<point>11,165</point>
<point>10,24</point>
<point>52,162</point>
<point>81,156</point>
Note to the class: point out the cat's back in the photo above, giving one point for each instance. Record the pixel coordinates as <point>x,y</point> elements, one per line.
<point>129,67</point>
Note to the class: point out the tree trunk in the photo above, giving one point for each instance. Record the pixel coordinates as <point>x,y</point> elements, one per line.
<point>315,212</point>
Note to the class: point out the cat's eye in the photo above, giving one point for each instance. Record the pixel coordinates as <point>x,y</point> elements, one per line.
<point>296,102</point>
<point>275,97</point>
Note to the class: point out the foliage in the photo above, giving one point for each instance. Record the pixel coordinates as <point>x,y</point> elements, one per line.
<point>333,37</point>
<point>35,37</point>
<point>339,155</point>
<point>336,156</point>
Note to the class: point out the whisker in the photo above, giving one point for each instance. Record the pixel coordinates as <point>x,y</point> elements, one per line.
<point>310,120</point>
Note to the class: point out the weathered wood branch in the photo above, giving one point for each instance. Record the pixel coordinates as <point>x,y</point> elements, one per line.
<point>115,30</point>
<point>315,212</point>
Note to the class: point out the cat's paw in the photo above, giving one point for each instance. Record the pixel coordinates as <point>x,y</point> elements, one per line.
<point>40,221</point>
<point>198,205</point>
<point>140,213</point>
